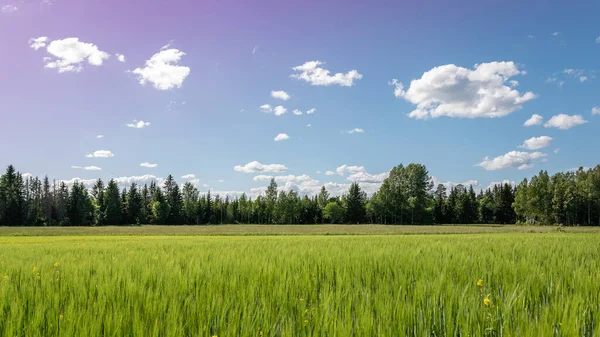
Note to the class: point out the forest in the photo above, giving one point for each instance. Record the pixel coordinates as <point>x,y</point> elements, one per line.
<point>407,196</point>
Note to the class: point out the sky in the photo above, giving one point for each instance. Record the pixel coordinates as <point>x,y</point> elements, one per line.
<point>227,94</point>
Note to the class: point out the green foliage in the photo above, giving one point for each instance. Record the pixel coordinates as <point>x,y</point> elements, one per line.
<point>334,212</point>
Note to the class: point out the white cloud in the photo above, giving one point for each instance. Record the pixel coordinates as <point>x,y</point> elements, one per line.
<point>163,70</point>
<point>266,108</point>
<point>501,183</point>
<point>518,159</point>
<point>364,177</point>
<point>279,110</point>
<point>148,165</point>
<point>281,136</point>
<point>564,122</point>
<point>304,179</point>
<point>86,182</point>
<point>189,176</point>
<point>450,184</point>
<point>536,143</point>
<point>555,34</point>
<point>329,173</point>
<point>280,94</point>
<point>575,169</point>
<point>583,79</point>
<point>254,50</point>
<point>100,136</point>
<point>596,110</point>
<point>37,43</point>
<point>526,166</point>
<point>87,168</point>
<point>514,83</point>
<point>297,112</point>
<point>8,9</point>
<point>100,154</point>
<point>120,57</point>
<point>138,124</point>
<point>454,91</point>
<point>255,166</point>
<point>26,175</point>
<point>309,125</point>
<point>125,182</point>
<point>312,73</point>
<point>556,150</point>
<point>69,55</point>
<point>355,130</point>
<point>350,169</point>
<point>311,111</point>
<point>534,120</point>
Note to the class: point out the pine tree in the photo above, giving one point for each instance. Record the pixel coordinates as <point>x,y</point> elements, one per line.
<point>134,205</point>
<point>114,209</point>
<point>355,204</point>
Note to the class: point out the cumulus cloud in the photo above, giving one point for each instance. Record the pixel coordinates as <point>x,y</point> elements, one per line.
<point>364,177</point>
<point>8,9</point>
<point>70,54</point>
<point>87,168</point>
<point>341,170</point>
<point>39,42</point>
<point>86,182</point>
<point>280,94</point>
<point>501,183</point>
<point>281,136</point>
<point>257,167</point>
<point>148,165</point>
<point>450,184</point>
<point>596,110</point>
<point>565,122</point>
<point>583,79</point>
<point>100,154</point>
<point>329,173</point>
<point>188,176</point>
<point>536,143</point>
<point>311,111</point>
<point>120,57</point>
<point>279,110</point>
<point>297,112</point>
<point>266,108</point>
<point>521,160</point>
<point>138,124</point>
<point>459,92</point>
<point>163,70</point>
<point>125,182</point>
<point>355,130</point>
<point>313,73</point>
<point>301,179</point>
<point>534,120</point>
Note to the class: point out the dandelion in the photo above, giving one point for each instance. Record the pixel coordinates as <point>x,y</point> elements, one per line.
<point>487,302</point>
<point>480,283</point>
<point>56,264</point>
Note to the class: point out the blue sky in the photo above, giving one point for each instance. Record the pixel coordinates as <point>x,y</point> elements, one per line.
<point>220,61</point>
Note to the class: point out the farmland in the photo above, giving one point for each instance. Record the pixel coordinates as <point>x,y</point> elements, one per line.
<point>192,284</point>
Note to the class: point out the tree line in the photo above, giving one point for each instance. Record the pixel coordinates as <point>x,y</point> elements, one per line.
<point>407,196</point>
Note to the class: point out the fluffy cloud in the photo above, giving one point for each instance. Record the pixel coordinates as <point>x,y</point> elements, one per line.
<point>522,160</point>
<point>312,73</point>
<point>138,124</point>
<point>565,122</point>
<point>301,179</point>
<point>100,136</point>
<point>86,182</point>
<point>297,112</point>
<point>255,166</point>
<point>329,173</point>
<point>120,57</point>
<point>355,130</point>
<point>281,136</point>
<point>189,176</point>
<point>280,94</point>
<point>69,55</point>
<point>100,154</point>
<point>266,108</point>
<point>8,9</point>
<point>87,168</point>
<point>501,183</point>
<point>350,169</point>
<point>583,79</point>
<point>450,184</point>
<point>125,182</point>
<point>311,111</point>
<point>536,143</point>
<point>309,125</point>
<point>279,110</point>
<point>163,70</point>
<point>534,120</point>
<point>364,177</point>
<point>596,110</point>
<point>148,165</point>
<point>454,91</point>
<point>37,43</point>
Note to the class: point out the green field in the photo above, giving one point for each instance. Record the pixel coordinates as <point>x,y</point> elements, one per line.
<point>538,284</point>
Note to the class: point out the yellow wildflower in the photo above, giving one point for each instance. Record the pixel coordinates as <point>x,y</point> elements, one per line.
<point>56,264</point>
<point>5,277</point>
<point>305,322</point>
<point>487,302</point>
<point>301,300</point>
<point>34,269</point>
<point>480,283</point>
<point>61,316</point>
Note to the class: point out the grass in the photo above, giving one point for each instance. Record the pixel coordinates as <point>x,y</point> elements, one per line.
<point>285,230</point>
<point>543,284</point>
